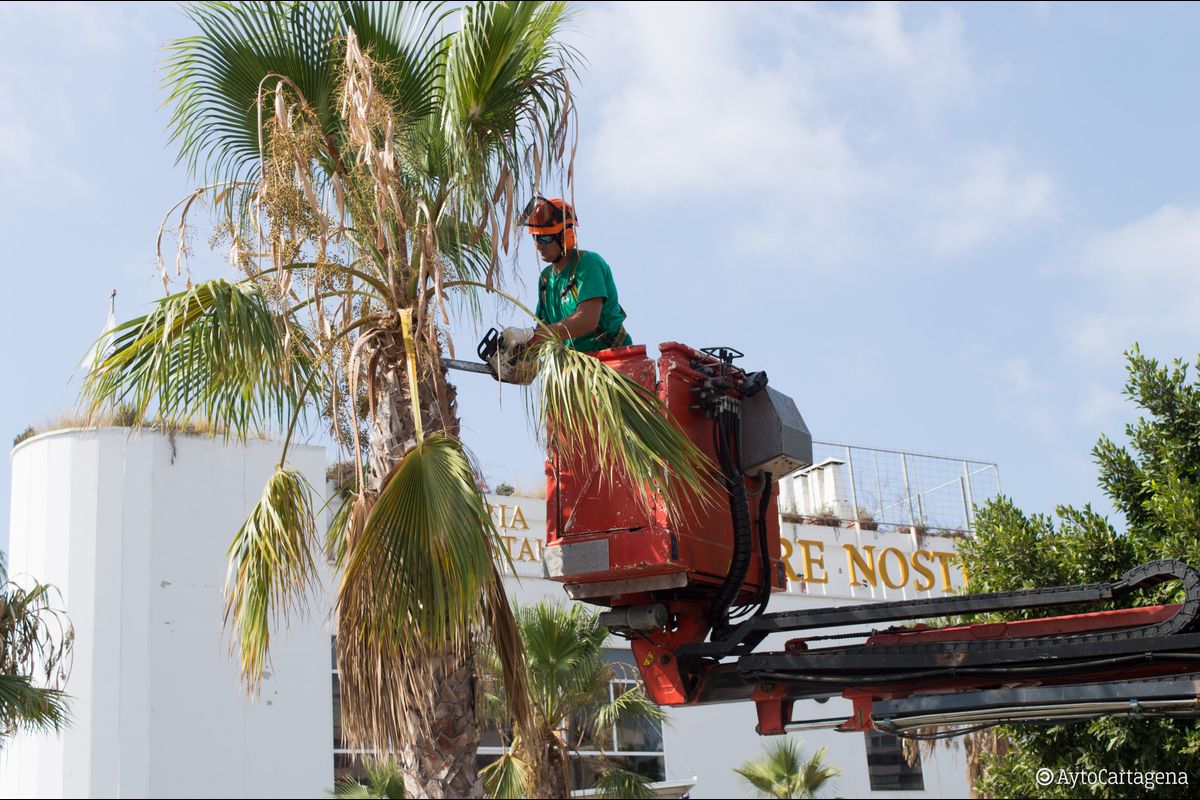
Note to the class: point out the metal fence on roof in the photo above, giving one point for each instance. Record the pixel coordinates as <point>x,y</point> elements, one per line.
<point>890,489</point>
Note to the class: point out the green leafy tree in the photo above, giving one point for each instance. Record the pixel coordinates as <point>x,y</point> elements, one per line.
<point>569,680</point>
<point>364,163</point>
<point>784,772</point>
<point>35,652</point>
<point>1154,481</point>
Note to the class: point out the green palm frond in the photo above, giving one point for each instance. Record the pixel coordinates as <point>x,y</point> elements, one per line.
<point>500,71</point>
<point>385,776</point>
<point>593,414</point>
<point>214,78</point>
<point>783,772</point>
<point>426,549</point>
<point>271,567</point>
<point>420,578</point>
<point>24,706</point>
<point>631,704</point>
<point>36,641</point>
<point>566,657</point>
<point>349,788</point>
<point>614,782</point>
<point>507,776</point>
<point>217,352</point>
<point>506,110</point>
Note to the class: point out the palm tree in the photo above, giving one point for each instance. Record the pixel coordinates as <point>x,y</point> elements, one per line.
<point>365,165</point>
<point>782,772</point>
<point>385,779</point>
<point>35,642</point>
<point>569,682</point>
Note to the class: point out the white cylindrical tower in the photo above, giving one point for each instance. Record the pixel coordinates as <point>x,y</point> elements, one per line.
<point>133,529</point>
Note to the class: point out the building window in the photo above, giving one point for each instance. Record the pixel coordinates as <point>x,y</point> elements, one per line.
<point>889,767</point>
<point>634,745</point>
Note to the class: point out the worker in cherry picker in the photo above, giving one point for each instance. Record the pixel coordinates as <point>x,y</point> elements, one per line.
<point>577,298</point>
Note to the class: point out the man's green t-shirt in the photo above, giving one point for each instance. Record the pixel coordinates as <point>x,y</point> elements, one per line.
<point>586,278</point>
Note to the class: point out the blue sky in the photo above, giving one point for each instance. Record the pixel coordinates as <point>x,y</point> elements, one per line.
<point>936,226</point>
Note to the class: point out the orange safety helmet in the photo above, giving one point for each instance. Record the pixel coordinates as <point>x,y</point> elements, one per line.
<point>546,217</point>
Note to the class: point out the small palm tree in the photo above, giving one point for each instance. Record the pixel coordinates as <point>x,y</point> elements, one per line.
<point>35,648</point>
<point>385,779</point>
<point>783,772</point>
<point>569,680</point>
<point>364,161</point>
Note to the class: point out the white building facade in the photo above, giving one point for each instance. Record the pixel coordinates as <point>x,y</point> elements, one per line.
<point>133,530</point>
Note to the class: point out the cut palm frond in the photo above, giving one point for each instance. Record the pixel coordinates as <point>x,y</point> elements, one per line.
<point>218,352</point>
<point>271,567</point>
<point>592,414</point>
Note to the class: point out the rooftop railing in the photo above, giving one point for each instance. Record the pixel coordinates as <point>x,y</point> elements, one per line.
<point>888,489</point>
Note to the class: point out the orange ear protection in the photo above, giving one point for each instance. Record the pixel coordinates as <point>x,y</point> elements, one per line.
<point>547,217</point>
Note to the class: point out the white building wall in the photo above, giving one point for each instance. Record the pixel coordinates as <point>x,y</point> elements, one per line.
<point>134,530</point>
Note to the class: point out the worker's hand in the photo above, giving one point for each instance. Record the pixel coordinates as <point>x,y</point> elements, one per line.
<point>515,338</point>
<point>511,364</point>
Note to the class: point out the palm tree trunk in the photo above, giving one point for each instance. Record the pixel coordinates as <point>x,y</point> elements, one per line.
<point>552,776</point>
<point>438,759</point>
<point>443,764</point>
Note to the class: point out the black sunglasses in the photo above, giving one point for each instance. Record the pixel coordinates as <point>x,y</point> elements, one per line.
<point>546,238</point>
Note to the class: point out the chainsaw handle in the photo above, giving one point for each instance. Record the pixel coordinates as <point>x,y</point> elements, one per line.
<point>488,346</point>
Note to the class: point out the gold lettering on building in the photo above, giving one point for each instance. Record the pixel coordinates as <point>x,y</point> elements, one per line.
<point>500,516</point>
<point>786,547</point>
<point>812,557</point>
<point>527,553</point>
<point>855,562</point>
<point>925,583</point>
<point>896,568</point>
<point>518,520</point>
<point>901,568</point>
<point>944,560</point>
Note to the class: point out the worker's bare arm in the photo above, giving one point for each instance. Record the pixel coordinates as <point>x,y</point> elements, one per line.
<point>585,320</point>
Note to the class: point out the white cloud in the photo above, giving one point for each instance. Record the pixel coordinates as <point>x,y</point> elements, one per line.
<point>781,114</point>
<point>1098,405</point>
<point>1145,276</point>
<point>932,63</point>
<point>26,153</point>
<point>95,26</point>
<point>690,110</point>
<point>16,143</point>
<point>996,193</point>
<point>1025,395</point>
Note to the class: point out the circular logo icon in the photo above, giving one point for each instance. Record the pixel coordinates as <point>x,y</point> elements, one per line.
<point>1044,776</point>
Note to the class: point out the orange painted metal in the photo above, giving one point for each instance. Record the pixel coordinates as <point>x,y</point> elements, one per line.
<point>582,506</point>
